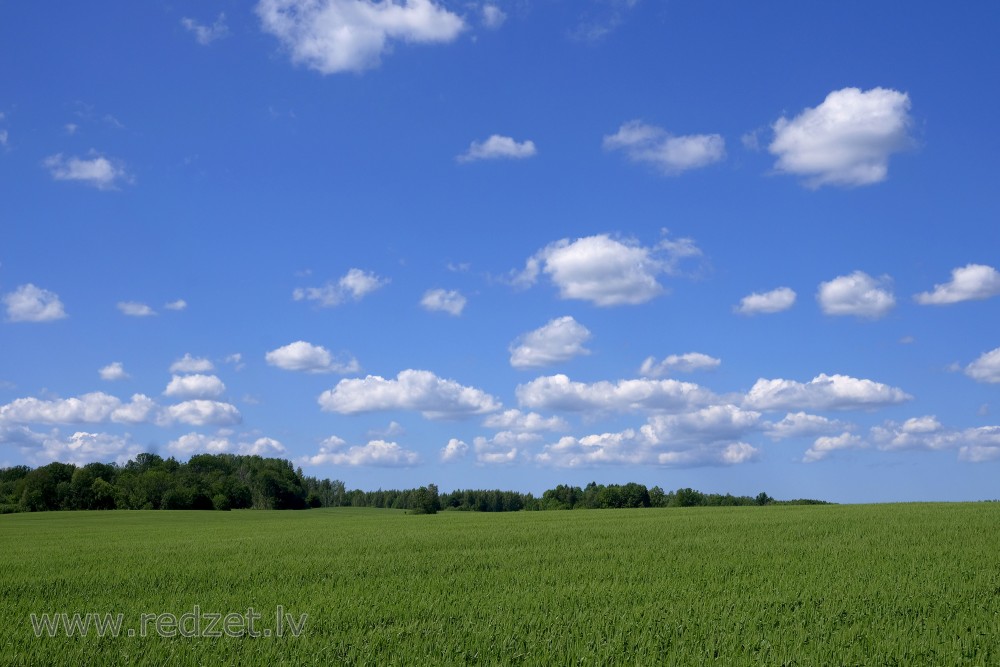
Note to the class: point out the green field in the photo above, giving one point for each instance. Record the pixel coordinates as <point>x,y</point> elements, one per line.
<point>820,585</point>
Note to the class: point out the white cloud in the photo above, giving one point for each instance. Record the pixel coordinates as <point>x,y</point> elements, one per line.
<point>179,304</point>
<point>3,138</point>
<point>846,140</point>
<point>802,425</point>
<point>515,420</point>
<point>560,339</point>
<point>558,392</point>
<point>986,368</point>
<point>206,34</point>
<point>856,294</point>
<point>712,424</point>
<point>198,443</point>
<point>113,371</point>
<point>981,445</point>
<point>376,453</point>
<point>968,283</point>
<point>135,309</point>
<point>498,147</point>
<point>195,386</point>
<point>332,36</point>
<point>606,271</point>
<point>826,445</point>
<point>98,171</point>
<point>303,356</point>
<point>202,412</point>
<point>355,284</point>
<point>493,17</point>
<point>823,392</point>
<point>455,450</point>
<point>447,301</point>
<point>683,363</point>
<point>916,433</point>
<point>774,301</point>
<point>668,153</point>
<point>503,448</point>
<point>189,364</point>
<point>92,408</point>
<point>434,397</point>
<point>28,303</point>
<point>83,447</point>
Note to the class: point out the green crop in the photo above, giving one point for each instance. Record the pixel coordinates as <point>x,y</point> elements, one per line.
<point>820,585</point>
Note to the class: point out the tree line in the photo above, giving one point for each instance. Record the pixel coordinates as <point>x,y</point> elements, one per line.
<point>230,481</point>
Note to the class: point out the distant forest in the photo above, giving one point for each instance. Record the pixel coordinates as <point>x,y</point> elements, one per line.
<point>229,481</point>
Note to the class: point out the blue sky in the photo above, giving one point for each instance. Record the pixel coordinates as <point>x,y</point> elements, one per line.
<point>734,246</point>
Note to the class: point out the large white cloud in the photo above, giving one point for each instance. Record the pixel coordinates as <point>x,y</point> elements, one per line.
<point>968,283</point>
<point>498,147</point>
<point>560,339</point>
<point>434,397</point>
<point>83,447</point>
<point>558,392</point>
<point>774,301</point>
<point>823,392</point>
<point>503,448</point>
<point>856,294</point>
<point>986,368</point>
<point>101,172</point>
<point>28,303</point>
<point>189,364</point>
<point>711,424</point>
<point>515,420</point>
<point>846,140</point>
<point>332,36</point>
<point>334,451</point>
<point>303,356</point>
<point>92,408</point>
<point>668,153</point>
<point>606,271</point>
<point>199,443</point>
<point>974,445</point>
<point>194,386</point>
<point>683,363</point>
<point>455,450</point>
<point>802,425</point>
<point>203,412</point>
<point>355,285</point>
<point>446,301</point>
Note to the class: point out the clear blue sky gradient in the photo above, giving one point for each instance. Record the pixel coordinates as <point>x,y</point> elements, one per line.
<point>152,152</point>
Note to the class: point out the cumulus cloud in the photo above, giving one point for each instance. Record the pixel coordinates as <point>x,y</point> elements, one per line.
<point>206,34</point>
<point>434,397</point>
<point>203,412</point>
<point>189,364</point>
<point>179,304</point>
<point>446,301</point>
<point>558,392</point>
<point>331,36</point>
<point>560,339</point>
<point>199,443</point>
<point>493,17</point>
<point>195,386</point>
<point>683,363</point>
<point>334,451</point>
<point>355,285</point>
<point>926,433</point>
<point>28,303</point>
<point>712,424</point>
<point>826,445</point>
<point>101,172</point>
<point>503,448</point>
<point>83,447</point>
<point>303,356</point>
<point>135,309</point>
<point>968,283</point>
<point>803,425</point>
<point>498,147</point>
<point>846,140</point>
<point>515,420</point>
<point>606,271</point>
<point>92,408</point>
<point>823,392</point>
<point>986,368</point>
<point>113,371</point>
<point>856,294</point>
<point>670,154</point>
<point>774,301</point>
<point>455,450</point>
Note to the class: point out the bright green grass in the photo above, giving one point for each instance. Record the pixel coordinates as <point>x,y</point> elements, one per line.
<point>855,585</point>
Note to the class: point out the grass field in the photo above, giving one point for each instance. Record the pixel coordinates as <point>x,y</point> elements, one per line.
<point>820,585</point>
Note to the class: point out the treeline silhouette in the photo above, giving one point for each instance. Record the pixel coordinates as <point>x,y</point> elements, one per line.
<point>230,481</point>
